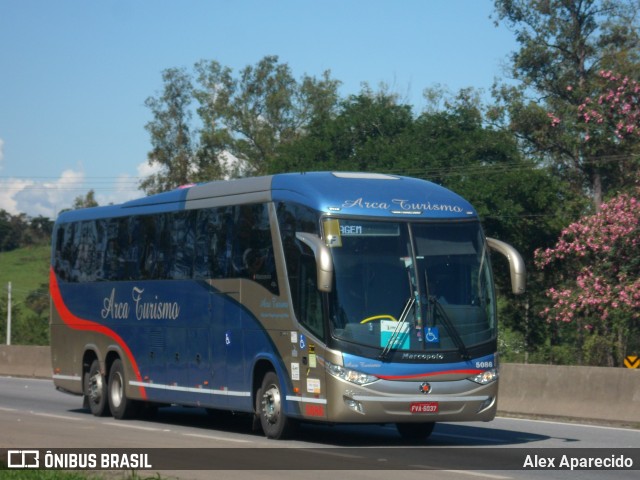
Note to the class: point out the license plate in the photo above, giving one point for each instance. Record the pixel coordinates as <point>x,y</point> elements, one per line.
<point>424,407</point>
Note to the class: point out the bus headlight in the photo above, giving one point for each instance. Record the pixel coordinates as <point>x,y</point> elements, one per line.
<point>485,377</point>
<point>352,376</point>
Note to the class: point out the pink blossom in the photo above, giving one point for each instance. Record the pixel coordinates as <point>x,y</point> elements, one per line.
<point>600,250</point>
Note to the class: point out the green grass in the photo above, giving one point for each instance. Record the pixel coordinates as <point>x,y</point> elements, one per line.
<point>26,268</point>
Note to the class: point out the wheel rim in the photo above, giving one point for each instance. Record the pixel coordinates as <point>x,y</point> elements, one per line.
<point>96,386</point>
<point>116,389</point>
<point>271,404</point>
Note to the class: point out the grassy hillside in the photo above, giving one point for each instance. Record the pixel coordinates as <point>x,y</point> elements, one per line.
<point>26,268</point>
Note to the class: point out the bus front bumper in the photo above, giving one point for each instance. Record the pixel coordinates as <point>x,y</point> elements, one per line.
<point>399,402</point>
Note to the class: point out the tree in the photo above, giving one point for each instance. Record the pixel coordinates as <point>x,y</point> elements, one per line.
<point>370,132</point>
<point>595,262</point>
<point>88,201</point>
<point>615,115</point>
<point>13,230</point>
<point>42,227</point>
<point>250,117</point>
<point>597,280</point>
<point>563,46</point>
<point>172,145</point>
<point>242,121</point>
<point>610,122</point>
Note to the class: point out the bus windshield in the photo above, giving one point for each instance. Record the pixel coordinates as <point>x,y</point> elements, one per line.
<point>410,286</point>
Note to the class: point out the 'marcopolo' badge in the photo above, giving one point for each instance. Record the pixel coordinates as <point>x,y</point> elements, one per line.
<point>425,388</point>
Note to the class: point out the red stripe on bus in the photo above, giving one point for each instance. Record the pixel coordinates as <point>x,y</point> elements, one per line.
<point>430,374</point>
<point>78,323</point>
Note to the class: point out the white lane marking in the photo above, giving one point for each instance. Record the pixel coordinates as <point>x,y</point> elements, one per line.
<point>24,379</point>
<point>137,427</point>
<point>213,437</point>
<point>51,415</point>
<point>468,437</point>
<point>336,454</point>
<point>461,472</point>
<point>477,474</point>
<point>568,424</point>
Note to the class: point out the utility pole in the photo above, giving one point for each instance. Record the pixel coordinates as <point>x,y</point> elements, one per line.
<point>9,315</point>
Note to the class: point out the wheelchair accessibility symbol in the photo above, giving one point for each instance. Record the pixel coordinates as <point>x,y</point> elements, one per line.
<point>432,335</point>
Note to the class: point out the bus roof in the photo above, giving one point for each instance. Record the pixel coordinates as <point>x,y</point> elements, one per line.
<point>364,194</point>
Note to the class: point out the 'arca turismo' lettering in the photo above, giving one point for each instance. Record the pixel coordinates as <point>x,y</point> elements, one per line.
<point>411,206</point>
<point>144,310</point>
<point>402,204</point>
<point>113,309</point>
<point>154,310</point>
<point>362,204</point>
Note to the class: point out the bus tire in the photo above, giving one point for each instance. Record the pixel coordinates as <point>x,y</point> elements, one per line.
<point>121,406</point>
<point>95,390</point>
<point>415,431</point>
<point>270,408</point>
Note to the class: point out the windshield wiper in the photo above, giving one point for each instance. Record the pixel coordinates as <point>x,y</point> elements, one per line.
<point>399,327</point>
<point>451,329</point>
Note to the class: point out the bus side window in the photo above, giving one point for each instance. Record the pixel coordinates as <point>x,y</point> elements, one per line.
<point>63,258</point>
<point>252,248</point>
<point>216,227</point>
<point>207,234</point>
<point>131,248</point>
<point>301,265</point>
<point>309,305</point>
<point>148,248</point>
<point>112,260</point>
<point>181,244</point>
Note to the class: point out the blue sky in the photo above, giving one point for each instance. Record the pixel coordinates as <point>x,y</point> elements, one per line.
<point>74,74</point>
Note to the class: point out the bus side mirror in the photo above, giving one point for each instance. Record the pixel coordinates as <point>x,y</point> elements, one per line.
<point>324,262</point>
<point>516,264</point>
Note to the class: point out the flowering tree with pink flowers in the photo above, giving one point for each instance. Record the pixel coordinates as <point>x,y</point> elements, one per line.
<point>615,114</point>
<point>596,261</point>
<point>599,287</point>
<point>606,129</point>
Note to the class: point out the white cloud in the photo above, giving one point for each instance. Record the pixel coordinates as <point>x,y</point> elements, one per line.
<point>46,198</point>
<point>144,169</point>
<point>124,188</point>
<point>11,188</point>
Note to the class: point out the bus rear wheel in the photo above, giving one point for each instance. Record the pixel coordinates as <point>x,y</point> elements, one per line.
<point>95,390</point>
<point>121,406</point>
<point>415,431</point>
<point>270,408</point>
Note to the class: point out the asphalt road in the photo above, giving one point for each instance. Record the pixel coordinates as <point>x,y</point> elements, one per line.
<point>33,415</point>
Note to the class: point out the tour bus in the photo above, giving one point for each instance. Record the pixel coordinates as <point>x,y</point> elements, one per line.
<point>327,297</point>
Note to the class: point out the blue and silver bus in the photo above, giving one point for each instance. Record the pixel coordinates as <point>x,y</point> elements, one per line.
<point>315,297</point>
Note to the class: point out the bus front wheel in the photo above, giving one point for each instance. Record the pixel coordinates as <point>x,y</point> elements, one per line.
<point>270,408</point>
<point>95,390</point>
<point>121,406</point>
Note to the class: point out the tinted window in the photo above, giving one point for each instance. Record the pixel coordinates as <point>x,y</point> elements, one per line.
<point>225,242</point>
<point>301,264</point>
